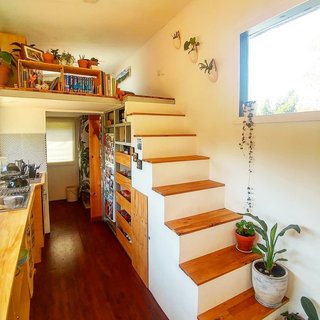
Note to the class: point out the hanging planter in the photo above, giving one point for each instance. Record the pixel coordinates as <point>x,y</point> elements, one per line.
<point>210,68</point>
<point>176,40</point>
<point>192,47</point>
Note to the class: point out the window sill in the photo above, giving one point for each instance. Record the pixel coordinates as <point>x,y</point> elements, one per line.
<point>285,117</point>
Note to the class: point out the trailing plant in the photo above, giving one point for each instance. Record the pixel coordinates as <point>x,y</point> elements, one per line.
<point>207,67</point>
<point>7,59</point>
<point>247,146</point>
<point>309,308</point>
<point>268,249</point>
<point>191,45</point>
<point>176,35</point>
<point>245,228</point>
<point>67,56</point>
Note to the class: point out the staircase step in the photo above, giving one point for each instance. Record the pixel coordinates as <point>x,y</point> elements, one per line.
<point>187,187</point>
<point>156,135</point>
<point>202,221</point>
<point>155,114</point>
<point>241,307</point>
<point>175,159</point>
<point>216,264</point>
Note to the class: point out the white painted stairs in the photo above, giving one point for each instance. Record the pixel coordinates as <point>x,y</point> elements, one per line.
<point>194,269</point>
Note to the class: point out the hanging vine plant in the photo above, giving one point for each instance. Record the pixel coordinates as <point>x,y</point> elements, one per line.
<point>247,146</point>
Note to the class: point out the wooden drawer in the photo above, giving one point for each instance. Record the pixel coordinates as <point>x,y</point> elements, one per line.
<point>123,181</point>
<point>124,242</point>
<point>123,202</point>
<point>124,159</point>
<point>124,224</point>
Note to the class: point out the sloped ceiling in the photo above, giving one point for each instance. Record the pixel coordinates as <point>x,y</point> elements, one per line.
<point>110,30</point>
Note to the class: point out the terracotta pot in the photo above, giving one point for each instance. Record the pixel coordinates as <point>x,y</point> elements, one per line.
<point>269,291</point>
<point>83,63</point>
<point>244,244</point>
<point>48,57</point>
<point>4,75</point>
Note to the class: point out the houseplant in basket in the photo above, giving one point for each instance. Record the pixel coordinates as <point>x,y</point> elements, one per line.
<point>245,235</point>
<point>269,278</point>
<point>7,62</point>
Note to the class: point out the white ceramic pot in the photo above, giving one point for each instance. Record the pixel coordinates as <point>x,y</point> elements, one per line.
<point>193,56</point>
<point>269,291</point>
<point>177,43</point>
<point>213,75</point>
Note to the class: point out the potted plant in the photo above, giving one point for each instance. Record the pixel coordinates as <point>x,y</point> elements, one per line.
<point>48,57</point>
<point>211,68</point>
<point>269,278</point>
<point>176,39</point>
<point>191,46</point>
<point>83,62</point>
<point>56,55</point>
<point>245,235</point>
<point>93,62</point>
<point>7,62</point>
<point>66,58</point>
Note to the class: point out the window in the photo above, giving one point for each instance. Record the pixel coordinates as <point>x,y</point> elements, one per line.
<point>280,62</point>
<point>60,140</point>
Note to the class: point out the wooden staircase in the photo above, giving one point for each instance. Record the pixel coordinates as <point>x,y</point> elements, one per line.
<point>195,271</point>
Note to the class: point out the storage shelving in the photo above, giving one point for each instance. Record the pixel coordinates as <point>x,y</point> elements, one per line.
<point>116,125</point>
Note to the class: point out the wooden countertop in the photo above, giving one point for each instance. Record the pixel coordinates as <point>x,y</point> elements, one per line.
<point>12,227</point>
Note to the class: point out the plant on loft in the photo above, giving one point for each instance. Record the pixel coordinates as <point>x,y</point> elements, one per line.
<point>7,63</point>
<point>56,55</point>
<point>66,58</point>
<point>191,46</point>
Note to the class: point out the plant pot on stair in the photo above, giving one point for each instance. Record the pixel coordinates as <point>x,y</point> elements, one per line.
<point>269,278</point>
<point>245,236</point>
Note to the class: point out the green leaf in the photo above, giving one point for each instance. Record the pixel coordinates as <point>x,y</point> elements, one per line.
<point>262,233</point>
<point>280,251</point>
<point>262,247</point>
<point>186,45</point>
<point>256,250</point>
<point>309,308</point>
<point>256,218</point>
<point>273,234</point>
<point>290,227</point>
<point>281,259</point>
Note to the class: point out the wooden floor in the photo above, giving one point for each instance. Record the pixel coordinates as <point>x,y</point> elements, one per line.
<point>85,274</point>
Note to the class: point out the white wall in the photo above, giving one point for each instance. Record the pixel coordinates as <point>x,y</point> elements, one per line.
<point>287,155</point>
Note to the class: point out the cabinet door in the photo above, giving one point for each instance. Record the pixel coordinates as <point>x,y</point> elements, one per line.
<point>139,229</point>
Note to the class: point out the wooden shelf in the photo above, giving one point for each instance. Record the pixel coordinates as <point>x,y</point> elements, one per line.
<point>176,159</point>
<point>124,181</point>
<point>124,242</point>
<point>123,202</point>
<point>123,158</point>
<point>124,224</point>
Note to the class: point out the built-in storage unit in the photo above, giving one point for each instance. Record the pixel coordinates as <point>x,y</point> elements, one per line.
<point>117,175</point>
<point>62,78</point>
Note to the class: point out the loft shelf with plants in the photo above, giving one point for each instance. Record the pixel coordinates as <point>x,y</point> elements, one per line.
<point>33,75</point>
<point>120,219</point>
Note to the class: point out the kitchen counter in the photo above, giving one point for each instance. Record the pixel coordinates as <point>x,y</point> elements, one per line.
<point>12,229</point>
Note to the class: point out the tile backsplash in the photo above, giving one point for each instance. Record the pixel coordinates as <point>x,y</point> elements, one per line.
<point>29,147</point>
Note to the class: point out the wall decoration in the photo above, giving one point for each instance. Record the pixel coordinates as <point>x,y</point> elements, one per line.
<point>139,164</point>
<point>123,75</point>
<point>210,68</point>
<point>31,53</point>
<point>176,39</point>
<point>134,157</point>
<point>191,46</point>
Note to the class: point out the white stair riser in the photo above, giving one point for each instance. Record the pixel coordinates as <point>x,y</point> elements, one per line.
<point>149,107</point>
<point>223,288</point>
<point>155,147</point>
<point>179,172</point>
<point>142,124</point>
<point>196,244</point>
<point>191,203</point>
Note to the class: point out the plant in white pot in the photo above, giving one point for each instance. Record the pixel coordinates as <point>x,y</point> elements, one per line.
<point>211,68</point>
<point>191,46</point>
<point>176,39</point>
<point>269,278</point>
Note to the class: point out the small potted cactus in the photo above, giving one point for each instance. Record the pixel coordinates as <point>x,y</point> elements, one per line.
<point>83,62</point>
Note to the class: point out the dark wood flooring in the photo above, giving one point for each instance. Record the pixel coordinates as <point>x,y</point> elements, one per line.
<point>85,274</point>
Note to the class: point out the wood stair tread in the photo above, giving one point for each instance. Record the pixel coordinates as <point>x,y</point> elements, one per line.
<point>156,135</point>
<point>241,307</point>
<point>156,114</point>
<point>216,264</point>
<point>176,159</point>
<point>202,221</point>
<point>173,189</point>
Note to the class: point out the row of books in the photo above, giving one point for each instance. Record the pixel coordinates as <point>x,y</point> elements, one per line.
<point>79,84</point>
<point>108,85</point>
